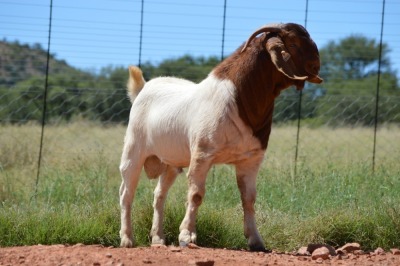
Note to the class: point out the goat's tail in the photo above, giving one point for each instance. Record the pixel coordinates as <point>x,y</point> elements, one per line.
<point>135,83</point>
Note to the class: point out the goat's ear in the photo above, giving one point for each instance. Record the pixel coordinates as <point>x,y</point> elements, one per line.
<point>282,59</point>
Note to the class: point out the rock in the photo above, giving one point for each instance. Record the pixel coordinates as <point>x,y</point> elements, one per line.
<point>108,255</point>
<point>349,248</point>
<point>192,246</point>
<point>395,251</point>
<point>379,251</point>
<point>303,251</point>
<point>320,253</point>
<point>358,252</point>
<point>312,247</point>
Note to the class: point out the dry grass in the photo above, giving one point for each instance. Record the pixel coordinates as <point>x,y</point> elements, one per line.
<point>66,145</point>
<point>341,148</point>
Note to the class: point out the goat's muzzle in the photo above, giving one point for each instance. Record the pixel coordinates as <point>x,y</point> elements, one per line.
<point>312,69</point>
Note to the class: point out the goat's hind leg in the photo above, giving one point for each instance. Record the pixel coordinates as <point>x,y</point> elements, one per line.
<point>166,180</point>
<point>130,169</point>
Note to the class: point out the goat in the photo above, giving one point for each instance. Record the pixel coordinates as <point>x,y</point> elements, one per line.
<point>226,118</point>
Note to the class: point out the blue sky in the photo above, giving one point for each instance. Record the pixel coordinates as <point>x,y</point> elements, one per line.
<point>92,34</point>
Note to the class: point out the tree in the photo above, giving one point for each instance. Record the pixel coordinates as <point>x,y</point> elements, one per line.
<point>350,70</point>
<point>353,57</point>
<point>187,67</point>
<point>110,103</point>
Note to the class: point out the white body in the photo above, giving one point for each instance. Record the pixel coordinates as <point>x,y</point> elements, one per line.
<point>175,123</point>
<point>188,125</point>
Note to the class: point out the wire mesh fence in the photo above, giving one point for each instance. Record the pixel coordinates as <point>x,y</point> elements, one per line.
<point>352,118</point>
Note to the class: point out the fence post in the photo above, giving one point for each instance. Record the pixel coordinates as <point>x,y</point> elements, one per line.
<point>299,109</point>
<point>141,35</point>
<point>378,81</point>
<point>44,110</point>
<point>223,32</point>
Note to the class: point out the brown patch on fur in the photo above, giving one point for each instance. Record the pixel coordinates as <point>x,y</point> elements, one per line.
<point>258,83</point>
<point>197,199</point>
<point>258,80</point>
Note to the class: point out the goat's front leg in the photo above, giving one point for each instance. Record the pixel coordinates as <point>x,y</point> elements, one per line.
<point>167,178</point>
<point>246,174</point>
<point>197,179</point>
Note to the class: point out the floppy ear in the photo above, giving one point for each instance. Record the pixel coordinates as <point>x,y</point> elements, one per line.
<point>282,59</point>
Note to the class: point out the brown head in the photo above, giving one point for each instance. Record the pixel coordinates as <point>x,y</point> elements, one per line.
<point>292,51</point>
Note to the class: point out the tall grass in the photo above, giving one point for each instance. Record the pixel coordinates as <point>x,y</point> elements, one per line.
<point>334,197</point>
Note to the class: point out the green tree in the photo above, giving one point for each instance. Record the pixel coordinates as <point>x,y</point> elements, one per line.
<point>350,70</point>
<point>188,67</point>
<point>110,102</point>
<point>353,57</point>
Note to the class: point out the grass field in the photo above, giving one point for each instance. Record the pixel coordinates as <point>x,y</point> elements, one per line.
<point>334,197</point>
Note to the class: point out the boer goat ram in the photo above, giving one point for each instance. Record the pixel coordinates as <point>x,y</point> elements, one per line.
<point>226,118</point>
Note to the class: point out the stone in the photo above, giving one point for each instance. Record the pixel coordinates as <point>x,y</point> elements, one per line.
<point>349,248</point>
<point>192,246</point>
<point>303,251</point>
<point>312,247</point>
<point>320,253</point>
<point>358,252</point>
<point>379,251</point>
<point>395,251</point>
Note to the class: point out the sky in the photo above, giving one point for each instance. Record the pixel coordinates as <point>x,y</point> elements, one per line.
<point>92,34</point>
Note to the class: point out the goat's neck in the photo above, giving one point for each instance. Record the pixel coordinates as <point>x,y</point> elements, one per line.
<point>258,83</point>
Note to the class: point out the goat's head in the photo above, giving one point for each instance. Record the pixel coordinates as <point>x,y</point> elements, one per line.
<point>292,51</point>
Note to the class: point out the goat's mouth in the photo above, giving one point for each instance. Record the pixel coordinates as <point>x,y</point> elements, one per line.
<point>315,79</point>
<point>312,71</point>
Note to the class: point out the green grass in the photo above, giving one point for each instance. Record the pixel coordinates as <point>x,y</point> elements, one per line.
<point>334,198</point>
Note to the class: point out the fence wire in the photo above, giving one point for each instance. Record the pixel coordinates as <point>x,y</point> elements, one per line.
<point>341,122</point>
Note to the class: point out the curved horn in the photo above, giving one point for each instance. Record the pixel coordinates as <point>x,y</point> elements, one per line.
<point>265,28</point>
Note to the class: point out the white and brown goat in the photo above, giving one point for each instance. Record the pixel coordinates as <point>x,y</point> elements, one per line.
<point>226,118</point>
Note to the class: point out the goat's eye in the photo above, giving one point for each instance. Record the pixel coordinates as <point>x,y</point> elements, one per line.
<point>292,45</point>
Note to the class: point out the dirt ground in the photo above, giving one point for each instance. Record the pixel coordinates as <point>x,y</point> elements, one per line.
<point>161,255</point>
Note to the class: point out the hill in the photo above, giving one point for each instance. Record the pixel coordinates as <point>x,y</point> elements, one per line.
<point>20,62</point>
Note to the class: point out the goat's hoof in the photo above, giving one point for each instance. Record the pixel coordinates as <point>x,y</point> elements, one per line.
<point>256,244</point>
<point>258,247</point>
<point>156,240</point>
<point>186,237</point>
<point>126,242</point>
